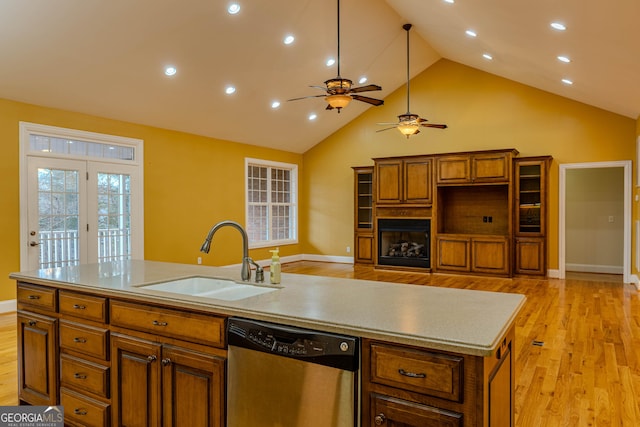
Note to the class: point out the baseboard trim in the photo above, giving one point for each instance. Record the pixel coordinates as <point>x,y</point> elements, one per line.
<point>590,268</point>
<point>8,306</point>
<point>636,281</point>
<point>553,274</point>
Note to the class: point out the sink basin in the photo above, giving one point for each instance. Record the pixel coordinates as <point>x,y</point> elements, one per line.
<point>210,287</point>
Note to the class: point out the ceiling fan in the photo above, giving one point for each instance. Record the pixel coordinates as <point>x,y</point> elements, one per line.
<point>408,123</point>
<point>339,91</point>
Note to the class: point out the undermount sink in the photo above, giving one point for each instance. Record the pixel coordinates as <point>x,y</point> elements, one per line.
<point>211,287</point>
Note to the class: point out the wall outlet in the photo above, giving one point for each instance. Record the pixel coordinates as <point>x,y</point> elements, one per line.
<point>199,260</point>
<point>610,218</point>
<point>348,249</point>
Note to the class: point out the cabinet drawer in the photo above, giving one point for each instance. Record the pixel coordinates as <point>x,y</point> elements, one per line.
<point>80,374</point>
<point>198,328</point>
<point>83,411</point>
<point>37,296</point>
<point>430,373</point>
<point>84,306</point>
<point>391,411</point>
<point>84,339</point>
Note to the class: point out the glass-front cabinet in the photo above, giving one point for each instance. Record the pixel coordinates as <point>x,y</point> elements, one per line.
<point>363,207</point>
<point>530,214</point>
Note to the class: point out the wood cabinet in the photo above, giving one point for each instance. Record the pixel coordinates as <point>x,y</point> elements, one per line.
<point>406,386</point>
<point>405,180</point>
<point>37,344</point>
<point>363,221</point>
<point>116,362</point>
<point>484,167</point>
<point>477,254</point>
<point>530,214</point>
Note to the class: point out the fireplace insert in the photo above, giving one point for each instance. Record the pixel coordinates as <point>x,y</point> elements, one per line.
<point>404,242</point>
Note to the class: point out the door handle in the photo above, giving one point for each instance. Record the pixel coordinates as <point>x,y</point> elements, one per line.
<point>33,243</point>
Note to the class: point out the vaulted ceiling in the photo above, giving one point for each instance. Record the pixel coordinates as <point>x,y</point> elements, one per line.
<point>107,58</point>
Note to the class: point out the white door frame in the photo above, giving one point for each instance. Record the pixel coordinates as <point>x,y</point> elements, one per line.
<point>626,164</point>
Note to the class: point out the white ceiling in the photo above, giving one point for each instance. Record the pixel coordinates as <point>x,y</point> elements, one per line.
<point>106,58</point>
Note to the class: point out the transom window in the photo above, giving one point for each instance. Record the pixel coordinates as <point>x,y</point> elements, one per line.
<point>271,201</point>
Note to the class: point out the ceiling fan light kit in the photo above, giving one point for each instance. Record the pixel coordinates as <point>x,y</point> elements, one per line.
<point>339,91</point>
<point>409,123</point>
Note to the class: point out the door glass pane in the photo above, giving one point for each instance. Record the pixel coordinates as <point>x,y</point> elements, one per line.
<point>59,214</point>
<point>114,217</point>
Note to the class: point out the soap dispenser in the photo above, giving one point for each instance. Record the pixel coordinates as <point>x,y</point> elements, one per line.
<point>274,269</point>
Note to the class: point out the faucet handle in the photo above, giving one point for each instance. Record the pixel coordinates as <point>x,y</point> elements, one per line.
<point>259,271</point>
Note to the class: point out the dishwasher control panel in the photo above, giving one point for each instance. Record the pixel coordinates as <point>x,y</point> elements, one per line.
<point>340,351</point>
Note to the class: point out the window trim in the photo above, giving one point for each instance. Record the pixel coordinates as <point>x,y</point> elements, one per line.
<point>293,168</point>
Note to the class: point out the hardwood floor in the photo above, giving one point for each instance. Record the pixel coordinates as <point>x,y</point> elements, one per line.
<point>577,344</point>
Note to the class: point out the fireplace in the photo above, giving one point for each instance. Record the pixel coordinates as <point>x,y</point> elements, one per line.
<point>404,242</point>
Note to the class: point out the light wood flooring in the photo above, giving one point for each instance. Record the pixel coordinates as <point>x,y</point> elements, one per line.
<point>585,373</point>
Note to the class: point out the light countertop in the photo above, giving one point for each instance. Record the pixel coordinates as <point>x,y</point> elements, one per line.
<point>457,320</point>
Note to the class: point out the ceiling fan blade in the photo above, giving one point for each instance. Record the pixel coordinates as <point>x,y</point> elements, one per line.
<point>433,125</point>
<point>388,124</point>
<point>305,97</point>
<point>319,87</point>
<point>382,130</point>
<point>372,101</point>
<point>364,88</point>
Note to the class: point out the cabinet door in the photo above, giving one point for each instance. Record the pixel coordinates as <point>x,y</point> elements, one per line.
<point>490,255</point>
<point>193,388</point>
<point>530,256</point>
<point>391,412</point>
<point>490,167</point>
<point>135,382</point>
<point>37,359</point>
<point>417,181</point>
<point>453,253</point>
<point>364,248</point>
<point>501,392</point>
<point>389,181</point>
<point>453,169</point>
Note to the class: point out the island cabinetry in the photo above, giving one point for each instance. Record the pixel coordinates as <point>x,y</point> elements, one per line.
<point>406,181</point>
<point>84,341</point>
<point>169,363</point>
<point>37,344</point>
<point>410,386</point>
<point>465,168</point>
<point>530,214</point>
<point>363,206</point>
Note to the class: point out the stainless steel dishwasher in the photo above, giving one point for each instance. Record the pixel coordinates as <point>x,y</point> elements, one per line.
<point>281,376</point>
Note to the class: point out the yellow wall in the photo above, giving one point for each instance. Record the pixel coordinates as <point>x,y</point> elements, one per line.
<point>190,183</point>
<point>483,112</point>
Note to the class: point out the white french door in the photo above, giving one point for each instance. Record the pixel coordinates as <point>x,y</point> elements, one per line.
<point>57,212</point>
<point>81,197</point>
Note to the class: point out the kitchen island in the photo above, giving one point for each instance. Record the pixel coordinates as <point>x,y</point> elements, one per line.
<point>98,340</point>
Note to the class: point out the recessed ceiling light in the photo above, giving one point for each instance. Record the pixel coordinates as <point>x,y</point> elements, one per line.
<point>564,59</point>
<point>449,1</point>
<point>289,39</point>
<point>233,8</point>
<point>170,71</point>
<point>487,56</point>
<point>471,33</point>
<point>362,80</point>
<point>330,62</point>
<point>558,26</point>
<point>275,104</point>
<point>567,82</point>
<point>229,90</point>
<point>313,116</point>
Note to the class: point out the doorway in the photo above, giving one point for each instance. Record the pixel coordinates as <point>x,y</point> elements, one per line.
<point>595,233</point>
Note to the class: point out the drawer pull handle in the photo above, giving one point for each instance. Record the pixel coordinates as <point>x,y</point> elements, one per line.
<point>380,419</point>
<point>411,374</point>
<point>79,411</point>
<point>79,307</point>
<point>80,376</point>
<point>34,297</point>
<point>152,358</point>
<point>166,362</point>
<point>80,340</point>
<point>158,323</point>
<point>32,323</point>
